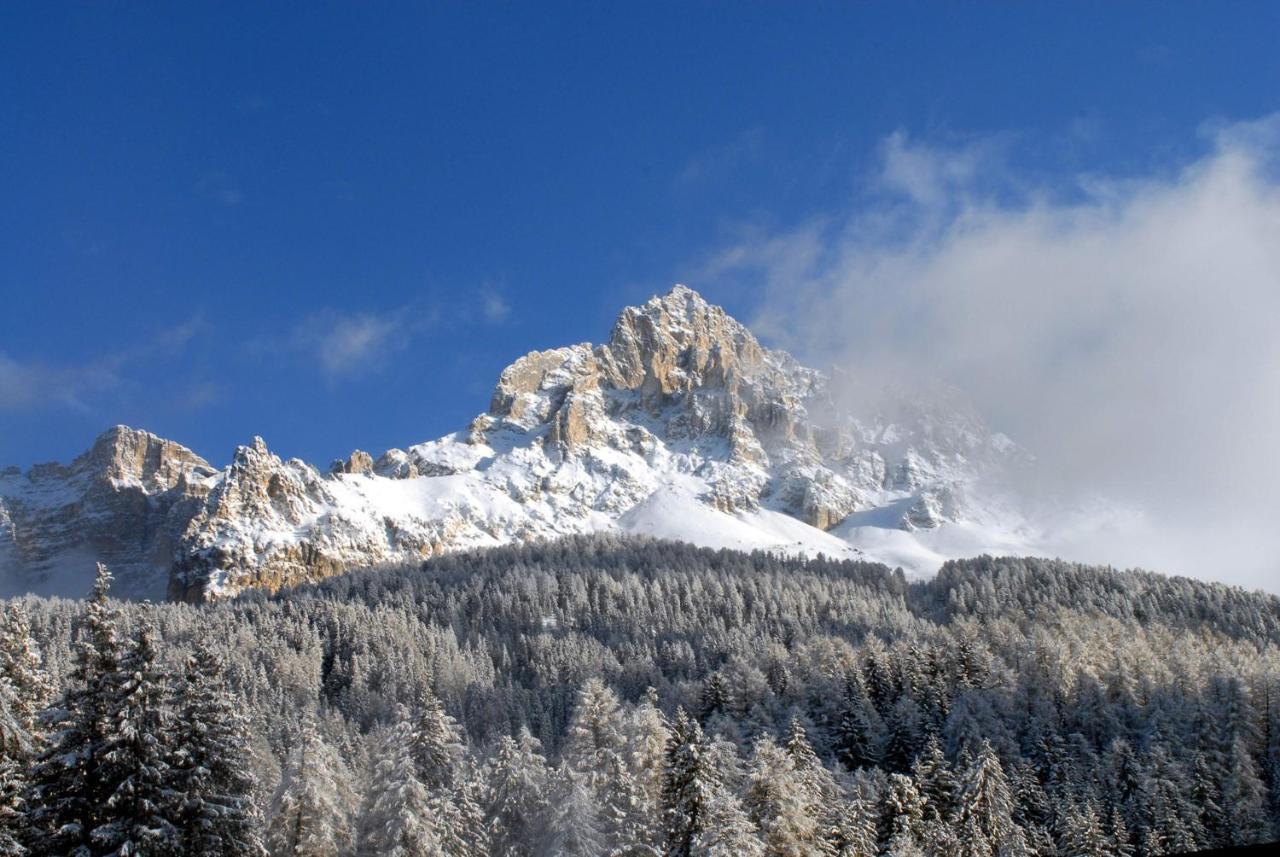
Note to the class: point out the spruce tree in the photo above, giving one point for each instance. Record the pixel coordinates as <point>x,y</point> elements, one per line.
<point>933,776</point>
<point>24,690</point>
<point>726,830</point>
<point>779,801</point>
<point>1080,832</point>
<point>859,733</point>
<point>984,805</point>
<point>1244,797</point>
<point>139,812</point>
<point>436,742</point>
<point>647,734</point>
<point>397,819</point>
<point>855,833</point>
<point>16,745</point>
<point>688,786</point>
<point>905,814</point>
<point>68,788</point>
<point>473,824</point>
<point>218,816</point>
<point>309,814</point>
<point>518,795</point>
<point>575,828</point>
<point>627,815</point>
<point>22,665</point>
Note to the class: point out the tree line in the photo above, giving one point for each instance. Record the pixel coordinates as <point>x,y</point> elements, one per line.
<point>602,696</point>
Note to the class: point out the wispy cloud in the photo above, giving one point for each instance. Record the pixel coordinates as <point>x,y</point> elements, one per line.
<point>715,161</point>
<point>495,308</point>
<point>33,383</point>
<point>1124,329</point>
<point>351,343</point>
<point>25,385</point>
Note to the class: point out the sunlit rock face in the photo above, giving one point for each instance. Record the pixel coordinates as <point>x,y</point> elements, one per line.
<point>681,425</point>
<point>126,501</point>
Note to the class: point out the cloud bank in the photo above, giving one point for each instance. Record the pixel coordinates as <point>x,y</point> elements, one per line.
<point>1125,330</point>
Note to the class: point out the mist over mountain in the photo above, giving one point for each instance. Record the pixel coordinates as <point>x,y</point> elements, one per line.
<point>682,425</point>
<point>1119,325</point>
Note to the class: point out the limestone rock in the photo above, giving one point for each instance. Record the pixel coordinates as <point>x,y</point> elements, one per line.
<point>125,502</point>
<point>681,424</point>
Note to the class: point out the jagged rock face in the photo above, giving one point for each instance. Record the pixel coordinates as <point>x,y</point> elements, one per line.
<point>126,502</point>
<point>681,425</point>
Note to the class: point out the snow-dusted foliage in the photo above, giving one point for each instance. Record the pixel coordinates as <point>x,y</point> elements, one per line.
<point>624,698</point>
<point>312,809</point>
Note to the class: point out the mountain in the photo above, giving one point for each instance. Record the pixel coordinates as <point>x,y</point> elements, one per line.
<point>682,426</point>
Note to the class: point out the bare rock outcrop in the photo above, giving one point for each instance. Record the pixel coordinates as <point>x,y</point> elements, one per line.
<point>125,502</point>
<point>681,414</point>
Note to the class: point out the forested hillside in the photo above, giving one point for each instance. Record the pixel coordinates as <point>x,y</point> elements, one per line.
<point>595,696</point>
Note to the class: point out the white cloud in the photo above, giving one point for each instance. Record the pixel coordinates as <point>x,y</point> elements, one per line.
<point>343,344</point>
<point>25,385</point>
<point>1125,329</point>
<point>495,308</point>
<point>33,383</point>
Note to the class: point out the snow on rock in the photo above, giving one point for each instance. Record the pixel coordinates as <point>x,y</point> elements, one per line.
<point>681,426</point>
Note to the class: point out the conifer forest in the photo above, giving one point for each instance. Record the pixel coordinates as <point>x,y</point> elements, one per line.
<point>632,698</point>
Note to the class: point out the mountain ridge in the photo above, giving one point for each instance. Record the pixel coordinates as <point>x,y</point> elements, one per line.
<point>680,425</point>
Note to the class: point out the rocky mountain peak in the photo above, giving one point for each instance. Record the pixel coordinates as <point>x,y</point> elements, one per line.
<point>125,456</point>
<point>681,424</point>
<point>678,342</point>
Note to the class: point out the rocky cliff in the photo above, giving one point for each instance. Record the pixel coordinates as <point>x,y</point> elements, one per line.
<point>126,502</point>
<point>681,425</point>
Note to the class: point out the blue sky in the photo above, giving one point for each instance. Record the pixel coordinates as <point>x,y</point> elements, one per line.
<point>333,225</point>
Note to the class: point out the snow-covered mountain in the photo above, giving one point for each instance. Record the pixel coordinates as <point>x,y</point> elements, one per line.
<point>682,425</point>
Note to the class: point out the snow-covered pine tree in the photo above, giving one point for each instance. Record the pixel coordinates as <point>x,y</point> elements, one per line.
<point>779,801</point>
<point>23,667</point>
<point>574,826</point>
<point>647,733</point>
<point>820,784</point>
<point>984,804</point>
<point>715,697</point>
<point>67,791</point>
<point>1208,774</point>
<point>1271,750</point>
<point>218,816</point>
<point>688,786</point>
<point>437,746</point>
<point>595,750</point>
<point>855,834</point>
<point>936,781</point>
<point>1168,821</point>
<point>859,732</point>
<point>1118,835</point>
<point>473,825</point>
<point>140,814</point>
<point>398,819</point>
<point>1244,798</point>
<point>628,817</point>
<point>310,811</point>
<point>726,830</point>
<point>906,730</point>
<point>16,745</point>
<point>24,690</point>
<point>595,730</point>
<point>1079,832</point>
<point>518,798</point>
<point>905,814</point>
